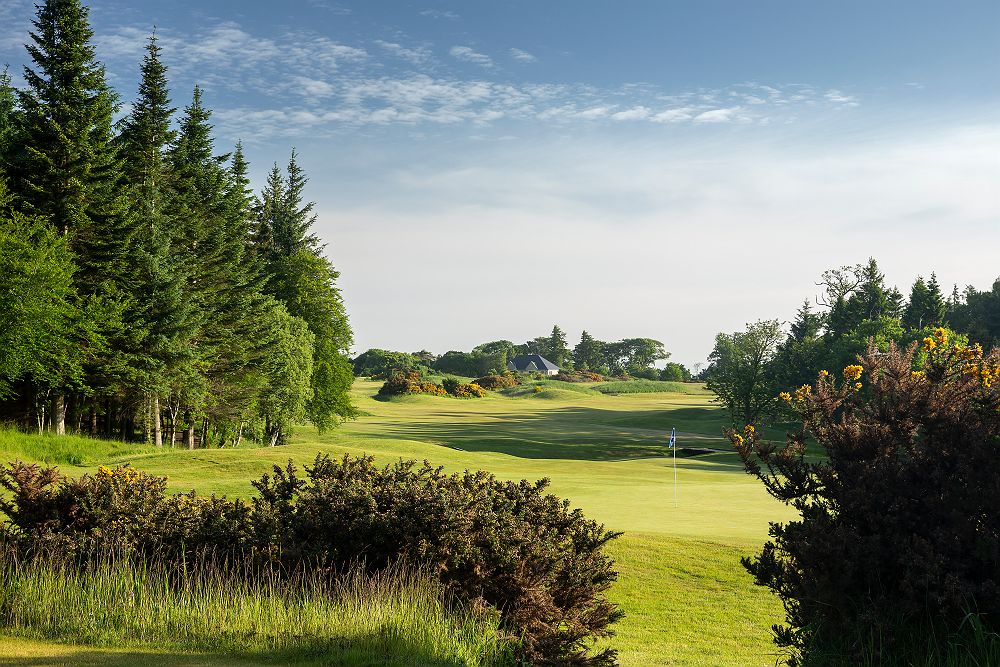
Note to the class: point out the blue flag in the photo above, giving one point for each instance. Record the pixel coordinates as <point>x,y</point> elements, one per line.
<point>673,437</point>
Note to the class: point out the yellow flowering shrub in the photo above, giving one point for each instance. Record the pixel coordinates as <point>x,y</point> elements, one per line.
<point>899,500</point>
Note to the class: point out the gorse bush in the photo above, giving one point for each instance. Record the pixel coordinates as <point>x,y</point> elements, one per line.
<point>900,524</point>
<point>402,382</point>
<point>507,548</point>
<point>497,382</point>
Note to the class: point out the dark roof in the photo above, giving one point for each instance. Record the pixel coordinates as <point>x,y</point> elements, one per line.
<point>523,361</point>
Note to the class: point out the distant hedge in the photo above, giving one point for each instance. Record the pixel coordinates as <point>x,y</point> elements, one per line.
<point>509,547</point>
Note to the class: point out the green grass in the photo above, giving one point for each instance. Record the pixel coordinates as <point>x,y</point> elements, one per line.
<point>687,599</point>
<point>356,620</point>
<point>648,387</point>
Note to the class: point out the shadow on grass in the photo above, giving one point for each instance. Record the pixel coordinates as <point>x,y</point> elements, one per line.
<point>578,433</point>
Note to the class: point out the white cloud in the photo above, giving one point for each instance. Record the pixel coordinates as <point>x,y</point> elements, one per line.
<point>675,115</point>
<point>730,115</point>
<point>418,56</point>
<point>314,88</point>
<point>838,97</point>
<point>438,14</point>
<point>522,56</point>
<point>470,55</point>
<point>635,113</point>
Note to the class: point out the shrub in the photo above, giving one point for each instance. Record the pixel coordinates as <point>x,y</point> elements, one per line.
<point>496,382</point>
<point>120,507</point>
<point>578,376</point>
<point>451,384</point>
<point>506,548</point>
<point>900,524</point>
<point>409,382</point>
<point>508,545</point>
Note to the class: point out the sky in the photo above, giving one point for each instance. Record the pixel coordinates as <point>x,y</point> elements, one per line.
<point>665,169</point>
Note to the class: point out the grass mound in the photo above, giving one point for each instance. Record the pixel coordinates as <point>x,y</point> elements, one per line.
<point>647,387</point>
<point>354,620</point>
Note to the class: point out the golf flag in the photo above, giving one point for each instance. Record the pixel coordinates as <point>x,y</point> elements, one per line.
<point>673,437</point>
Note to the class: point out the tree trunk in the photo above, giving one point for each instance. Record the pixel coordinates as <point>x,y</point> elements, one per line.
<point>189,432</point>
<point>204,432</point>
<point>59,414</point>
<point>239,435</point>
<point>157,424</point>
<point>93,418</point>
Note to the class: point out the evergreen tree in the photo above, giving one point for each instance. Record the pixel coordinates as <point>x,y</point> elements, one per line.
<point>926,307</point>
<point>558,353</point>
<point>8,105</point>
<point>588,353</point>
<point>807,324</point>
<point>65,169</point>
<point>938,306</point>
<point>301,278</point>
<point>165,356</point>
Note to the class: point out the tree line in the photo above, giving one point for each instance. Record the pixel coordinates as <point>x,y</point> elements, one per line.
<point>747,369</point>
<point>146,293</point>
<point>630,356</point>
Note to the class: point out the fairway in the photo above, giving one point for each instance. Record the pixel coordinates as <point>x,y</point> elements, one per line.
<point>687,599</point>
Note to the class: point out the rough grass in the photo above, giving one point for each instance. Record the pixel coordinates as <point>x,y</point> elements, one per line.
<point>686,598</point>
<point>648,387</point>
<point>354,620</point>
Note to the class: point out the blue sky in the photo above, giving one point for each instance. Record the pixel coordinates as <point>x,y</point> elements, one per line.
<point>664,169</point>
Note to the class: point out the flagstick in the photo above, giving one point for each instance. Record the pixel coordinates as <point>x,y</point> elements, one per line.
<point>674,447</point>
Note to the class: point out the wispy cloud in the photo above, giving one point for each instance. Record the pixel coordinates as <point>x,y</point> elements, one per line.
<point>439,14</point>
<point>470,55</point>
<point>419,55</point>
<point>730,115</point>
<point>302,83</point>
<point>522,56</point>
<point>333,7</point>
<point>840,98</point>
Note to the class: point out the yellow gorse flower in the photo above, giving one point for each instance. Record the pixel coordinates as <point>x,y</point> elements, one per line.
<point>929,344</point>
<point>941,336</point>
<point>748,430</point>
<point>737,439</point>
<point>824,373</point>
<point>785,396</point>
<point>853,372</point>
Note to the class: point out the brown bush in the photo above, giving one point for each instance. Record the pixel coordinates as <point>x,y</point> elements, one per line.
<point>901,515</point>
<point>497,382</point>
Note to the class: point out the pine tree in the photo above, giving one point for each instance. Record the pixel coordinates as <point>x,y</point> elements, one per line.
<point>8,104</point>
<point>937,305</point>
<point>807,324</point>
<point>165,356</point>
<point>558,353</point>
<point>926,307</point>
<point>197,209</point>
<point>304,280</point>
<point>66,170</point>
<point>588,353</point>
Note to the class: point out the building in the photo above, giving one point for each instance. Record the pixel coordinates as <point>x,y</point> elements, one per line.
<point>532,363</point>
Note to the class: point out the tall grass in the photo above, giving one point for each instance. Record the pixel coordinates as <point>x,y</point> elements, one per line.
<point>64,449</point>
<point>397,617</point>
<point>926,645</point>
<point>648,387</point>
